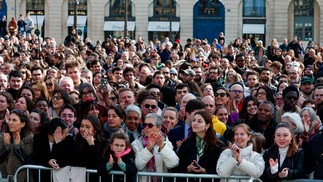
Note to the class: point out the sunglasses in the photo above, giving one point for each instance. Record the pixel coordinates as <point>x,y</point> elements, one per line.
<point>49,84</point>
<point>150,125</point>
<point>112,98</point>
<point>56,97</point>
<point>220,94</point>
<point>147,106</point>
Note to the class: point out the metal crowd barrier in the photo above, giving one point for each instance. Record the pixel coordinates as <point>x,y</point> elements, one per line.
<point>164,176</point>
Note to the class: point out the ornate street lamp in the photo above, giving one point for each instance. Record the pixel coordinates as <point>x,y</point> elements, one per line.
<point>76,3</point>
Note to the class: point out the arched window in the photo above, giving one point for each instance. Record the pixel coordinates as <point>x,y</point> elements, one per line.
<point>254,8</point>
<point>164,8</point>
<point>117,7</point>
<point>304,19</point>
<point>81,7</point>
<point>209,8</point>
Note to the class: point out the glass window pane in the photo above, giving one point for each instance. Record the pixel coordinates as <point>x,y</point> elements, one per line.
<point>254,8</point>
<point>117,7</point>
<point>164,7</point>
<point>81,7</point>
<point>35,5</point>
<point>210,8</point>
<point>304,7</point>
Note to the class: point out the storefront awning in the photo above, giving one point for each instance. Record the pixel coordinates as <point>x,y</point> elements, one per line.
<point>38,20</point>
<point>253,28</point>
<point>118,25</point>
<point>81,20</point>
<point>162,26</point>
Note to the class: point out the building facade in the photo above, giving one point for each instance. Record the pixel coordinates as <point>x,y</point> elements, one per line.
<point>177,19</point>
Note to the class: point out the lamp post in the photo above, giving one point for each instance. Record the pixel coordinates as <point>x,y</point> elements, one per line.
<point>125,33</point>
<point>76,2</point>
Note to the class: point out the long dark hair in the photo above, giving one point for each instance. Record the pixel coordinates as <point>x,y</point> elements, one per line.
<point>210,139</point>
<point>99,136</point>
<point>243,114</point>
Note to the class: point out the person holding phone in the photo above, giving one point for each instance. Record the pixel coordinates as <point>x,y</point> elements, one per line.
<point>239,158</point>
<point>283,160</point>
<point>201,150</point>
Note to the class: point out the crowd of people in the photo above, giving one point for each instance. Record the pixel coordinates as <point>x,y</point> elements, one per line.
<point>222,108</point>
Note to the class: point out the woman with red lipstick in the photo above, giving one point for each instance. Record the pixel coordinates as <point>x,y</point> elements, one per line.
<point>201,150</point>
<point>283,161</point>
<point>240,159</point>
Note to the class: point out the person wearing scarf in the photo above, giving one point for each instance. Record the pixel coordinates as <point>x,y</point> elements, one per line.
<point>119,156</point>
<point>154,152</point>
<point>200,152</point>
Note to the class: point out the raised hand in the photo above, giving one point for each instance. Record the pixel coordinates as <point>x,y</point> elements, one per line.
<point>16,137</point>
<point>179,143</point>
<point>89,137</point>
<point>111,160</point>
<point>119,161</point>
<point>272,163</point>
<point>151,142</point>
<point>235,152</point>
<point>6,138</point>
<point>58,137</point>
<point>159,139</point>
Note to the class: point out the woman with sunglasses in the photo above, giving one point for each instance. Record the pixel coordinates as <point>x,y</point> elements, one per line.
<point>116,118</point>
<point>51,84</point>
<point>224,98</point>
<point>58,100</point>
<point>16,143</point>
<point>154,152</point>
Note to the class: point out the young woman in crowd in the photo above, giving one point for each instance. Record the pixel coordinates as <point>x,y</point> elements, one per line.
<point>40,90</point>
<point>224,98</point>
<point>16,144</point>
<point>44,140</point>
<point>27,91</point>
<point>207,89</point>
<point>59,98</point>
<point>283,160</point>
<point>6,105</point>
<point>240,159</point>
<point>119,156</point>
<point>116,117</point>
<point>201,150</point>
<point>249,109</point>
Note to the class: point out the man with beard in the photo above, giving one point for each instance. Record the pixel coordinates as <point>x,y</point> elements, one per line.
<point>265,123</point>
<point>293,74</point>
<point>265,78</point>
<point>214,77</point>
<point>290,96</point>
<point>307,87</point>
<point>198,75</point>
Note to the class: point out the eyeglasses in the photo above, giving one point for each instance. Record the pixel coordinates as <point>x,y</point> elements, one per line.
<point>147,106</point>
<point>112,98</point>
<point>67,116</point>
<point>56,97</point>
<point>87,93</point>
<point>237,91</point>
<point>220,94</point>
<point>150,125</point>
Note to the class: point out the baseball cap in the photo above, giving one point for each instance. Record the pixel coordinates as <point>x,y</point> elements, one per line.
<point>190,72</point>
<point>307,79</point>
